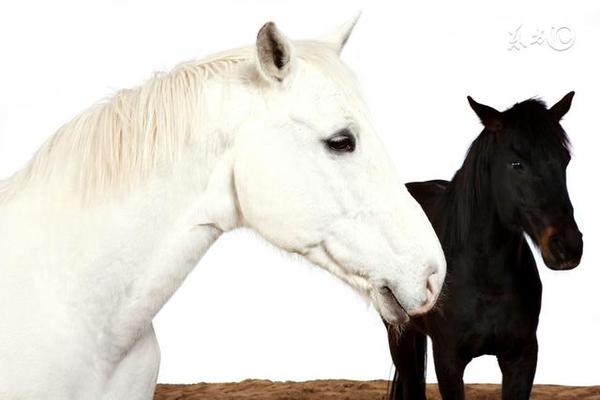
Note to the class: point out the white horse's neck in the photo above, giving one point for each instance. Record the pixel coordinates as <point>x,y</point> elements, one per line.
<point>168,239</point>
<point>113,264</point>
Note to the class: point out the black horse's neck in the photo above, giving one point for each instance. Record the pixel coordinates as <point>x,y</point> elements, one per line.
<point>468,216</point>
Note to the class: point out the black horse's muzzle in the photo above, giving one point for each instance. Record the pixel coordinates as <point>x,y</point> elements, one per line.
<point>561,246</point>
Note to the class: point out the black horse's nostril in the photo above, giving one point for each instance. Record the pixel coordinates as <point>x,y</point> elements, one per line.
<point>557,247</point>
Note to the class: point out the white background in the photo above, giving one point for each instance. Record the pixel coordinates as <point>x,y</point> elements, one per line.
<point>251,311</point>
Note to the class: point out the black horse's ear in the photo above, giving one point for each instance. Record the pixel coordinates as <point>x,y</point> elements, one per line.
<point>489,117</point>
<point>562,107</point>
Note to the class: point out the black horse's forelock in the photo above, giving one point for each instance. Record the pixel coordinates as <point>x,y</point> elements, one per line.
<point>533,120</point>
<point>470,190</point>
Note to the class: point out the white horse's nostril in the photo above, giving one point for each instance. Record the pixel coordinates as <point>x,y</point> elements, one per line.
<point>434,285</point>
<point>432,290</point>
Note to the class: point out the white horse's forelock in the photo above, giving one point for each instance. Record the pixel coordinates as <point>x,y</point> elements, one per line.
<point>113,144</point>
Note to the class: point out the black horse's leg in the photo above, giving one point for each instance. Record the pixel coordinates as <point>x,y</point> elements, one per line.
<point>409,353</point>
<point>518,370</point>
<point>449,368</point>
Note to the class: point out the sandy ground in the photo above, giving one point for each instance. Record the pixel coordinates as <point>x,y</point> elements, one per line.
<point>345,390</point>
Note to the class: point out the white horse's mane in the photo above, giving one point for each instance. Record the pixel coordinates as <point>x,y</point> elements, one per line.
<point>124,138</point>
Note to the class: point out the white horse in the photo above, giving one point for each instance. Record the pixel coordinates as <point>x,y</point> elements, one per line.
<point>117,207</point>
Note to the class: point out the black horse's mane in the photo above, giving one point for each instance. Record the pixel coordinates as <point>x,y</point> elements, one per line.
<point>469,191</point>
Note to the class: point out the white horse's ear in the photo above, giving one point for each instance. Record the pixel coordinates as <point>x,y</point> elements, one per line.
<point>274,51</point>
<point>339,37</point>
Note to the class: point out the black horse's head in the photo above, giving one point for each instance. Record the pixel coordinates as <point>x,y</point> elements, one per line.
<point>528,173</point>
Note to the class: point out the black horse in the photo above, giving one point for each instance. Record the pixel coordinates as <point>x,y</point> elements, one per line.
<point>513,181</point>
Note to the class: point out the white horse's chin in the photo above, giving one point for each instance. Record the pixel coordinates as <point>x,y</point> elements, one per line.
<point>388,307</point>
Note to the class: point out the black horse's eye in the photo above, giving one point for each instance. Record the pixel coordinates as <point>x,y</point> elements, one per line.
<point>517,166</point>
<point>341,142</point>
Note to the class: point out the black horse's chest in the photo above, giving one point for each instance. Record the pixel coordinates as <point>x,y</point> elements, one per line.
<point>485,312</point>
<point>492,294</point>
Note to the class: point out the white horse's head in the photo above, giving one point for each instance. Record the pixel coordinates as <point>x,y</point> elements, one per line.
<point>313,178</point>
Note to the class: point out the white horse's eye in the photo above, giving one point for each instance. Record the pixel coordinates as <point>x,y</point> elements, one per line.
<point>341,142</point>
